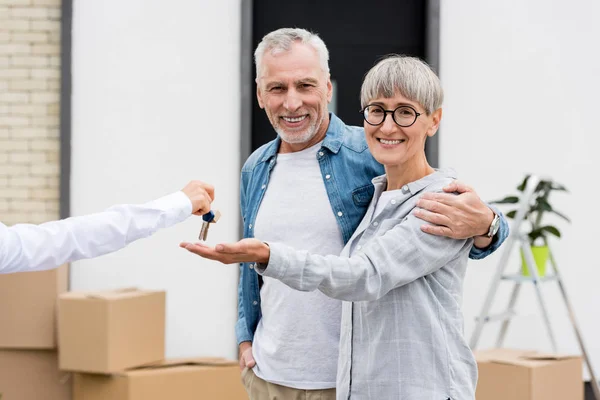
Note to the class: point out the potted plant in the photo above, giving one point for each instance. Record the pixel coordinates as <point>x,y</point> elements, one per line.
<point>538,233</point>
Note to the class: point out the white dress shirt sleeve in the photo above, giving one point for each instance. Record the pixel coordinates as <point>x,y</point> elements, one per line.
<point>26,247</point>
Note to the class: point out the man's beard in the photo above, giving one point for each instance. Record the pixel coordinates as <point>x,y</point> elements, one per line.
<point>302,137</point>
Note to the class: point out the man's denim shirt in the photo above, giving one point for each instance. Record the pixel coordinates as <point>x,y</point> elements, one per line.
<point>347,168</point>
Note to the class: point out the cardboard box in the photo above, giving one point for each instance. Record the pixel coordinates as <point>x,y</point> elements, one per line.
<point>192,379</point>
<point>111,331</point>
<point>32,375</point>
<point>528,375</point>
<point>28,308</point>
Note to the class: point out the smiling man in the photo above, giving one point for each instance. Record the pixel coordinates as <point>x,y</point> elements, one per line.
<point>309,189</point>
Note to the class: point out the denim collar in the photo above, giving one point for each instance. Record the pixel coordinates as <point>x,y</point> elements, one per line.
<point>333,139</point>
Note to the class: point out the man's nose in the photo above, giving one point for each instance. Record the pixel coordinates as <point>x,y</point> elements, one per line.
<point>292,101</point>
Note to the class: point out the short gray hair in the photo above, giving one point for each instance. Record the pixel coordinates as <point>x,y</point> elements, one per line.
<point>282,39</point>
<point>409,76</point>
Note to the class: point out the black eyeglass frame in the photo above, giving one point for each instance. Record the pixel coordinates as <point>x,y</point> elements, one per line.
<point>386,112</point>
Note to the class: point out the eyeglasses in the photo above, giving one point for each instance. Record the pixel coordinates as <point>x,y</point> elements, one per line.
<point>403,116</point>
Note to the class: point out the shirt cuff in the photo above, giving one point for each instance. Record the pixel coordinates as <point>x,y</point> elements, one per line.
<point>277,264</point>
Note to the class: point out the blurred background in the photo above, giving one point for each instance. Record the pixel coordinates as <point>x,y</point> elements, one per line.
<point>124,101</point>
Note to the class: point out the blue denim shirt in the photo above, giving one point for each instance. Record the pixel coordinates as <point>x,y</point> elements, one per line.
<point>347,168</point>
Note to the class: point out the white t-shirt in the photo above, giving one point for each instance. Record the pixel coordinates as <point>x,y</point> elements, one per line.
<point>296,341</point>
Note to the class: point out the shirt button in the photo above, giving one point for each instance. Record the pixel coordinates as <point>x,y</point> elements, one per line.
<point>263,187</point>
<point>321,153</point>
<point>250,226</point>
<point>393,202</point>
<point>255,303</point>
<point>252,266</point>
<point>327,176</point>
<point>405,188</point>
<point>340,213</point>
<point>358,247</point>
<point>375,223</point>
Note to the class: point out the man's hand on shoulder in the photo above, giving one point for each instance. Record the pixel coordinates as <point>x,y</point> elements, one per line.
<point>459,216</point>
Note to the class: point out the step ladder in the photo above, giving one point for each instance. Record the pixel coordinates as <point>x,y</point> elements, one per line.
<point>516,237</point>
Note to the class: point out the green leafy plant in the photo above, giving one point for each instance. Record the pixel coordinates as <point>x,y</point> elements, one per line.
<point>537,208</point>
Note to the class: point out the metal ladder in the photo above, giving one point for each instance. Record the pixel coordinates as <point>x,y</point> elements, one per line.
<point>517,237</point>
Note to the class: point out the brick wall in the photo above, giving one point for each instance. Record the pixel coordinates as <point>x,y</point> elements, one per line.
<point>29,110</point>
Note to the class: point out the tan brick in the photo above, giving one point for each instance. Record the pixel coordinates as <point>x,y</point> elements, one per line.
<point>45,73</point>
<point>14,193</point>
<point>13,72</point>
<point>3,207</point>
<point>27,158</point>
<point>53,207</point>
<point>27,182</point>
<point>15,2</point>
<point>12,122</point>
<point>53,133</point>
<point>53,182</point>
<point>53,156</point>
<point>14,97</point>
<point>28,85</point>
<point>52,26</point>
<point>53,109</point>
<point>46,49</point>
<point>14,144</point>
<point>40,218</point>
<point>45,169</point>
<point>55,14</point>
<point>14,170</point>
<point>28,109</point>
<point>30,37</point>
<point>55,61</point>
<point>4,11</point>
<point>15,48</point>
<point>45,97</point>
<point>44,194</point>
<point>3,160</point>
<point>4,37</point>
<point>29,12</point>
<point>12,24</point>
<point>54,36</point>
<point>4,133</point>
<point>4,62</point>
<point>46,121</point>
<point>48,145</point>
<point>30,132</point>
<point>3,87</point>
<point>54,84</point>
<point>5,109</point>
<point>31,206</point>
<point>30,61</point>
<point>56,3</point>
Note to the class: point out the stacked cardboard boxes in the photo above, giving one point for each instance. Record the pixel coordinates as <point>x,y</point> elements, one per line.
<point>115,344</point>
<point>28,343</point>
<point>528,375</point>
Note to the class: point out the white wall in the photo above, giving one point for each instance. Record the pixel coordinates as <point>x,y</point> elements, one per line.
<point>522,80</point>
<point>155,103</point>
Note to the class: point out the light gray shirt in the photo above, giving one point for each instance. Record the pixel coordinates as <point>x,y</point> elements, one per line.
<point>296,340</point>
<point>402,325</point>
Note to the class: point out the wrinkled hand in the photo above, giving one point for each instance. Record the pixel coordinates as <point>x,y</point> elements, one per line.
<point>246,250</point>
<point>201,195</point>
<point>245,355</point>
<point>458,217</point>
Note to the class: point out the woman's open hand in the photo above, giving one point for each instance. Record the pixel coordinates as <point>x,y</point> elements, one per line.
<point>246,250</point>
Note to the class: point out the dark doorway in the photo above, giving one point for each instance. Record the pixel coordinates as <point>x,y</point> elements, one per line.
<point>357,34</point>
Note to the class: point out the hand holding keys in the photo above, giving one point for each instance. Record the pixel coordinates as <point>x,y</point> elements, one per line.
<point>210,217</point>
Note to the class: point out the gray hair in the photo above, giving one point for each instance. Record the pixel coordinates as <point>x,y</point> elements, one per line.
<point>409,76</point>
<point>282,39</point>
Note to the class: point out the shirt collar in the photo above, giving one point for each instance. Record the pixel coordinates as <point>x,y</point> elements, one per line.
<point>380,182</point>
